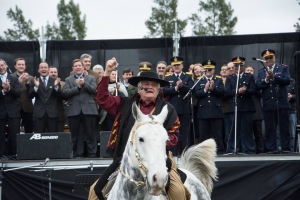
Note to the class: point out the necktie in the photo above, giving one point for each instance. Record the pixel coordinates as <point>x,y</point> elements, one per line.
<point>44,81</point>
<point>3,78</point>
<point>208,79</point>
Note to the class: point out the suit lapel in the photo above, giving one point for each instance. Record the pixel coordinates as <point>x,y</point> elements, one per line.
<point>50,83</point>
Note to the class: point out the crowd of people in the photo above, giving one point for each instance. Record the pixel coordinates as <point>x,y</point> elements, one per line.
<point>231,107</point>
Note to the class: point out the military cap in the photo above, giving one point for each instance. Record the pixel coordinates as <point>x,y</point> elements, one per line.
<point>268,52</point>
<point>145,66</point>
<point>209,64</point>
<point>176,60</point>
<point>238,60</point>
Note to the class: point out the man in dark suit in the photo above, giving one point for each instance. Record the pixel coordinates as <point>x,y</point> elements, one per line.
<point>245,107</point>
<point>87,62</point>
<point>180,83</point>
<point>82,109</point>
<point>10,91</point>
<point>209,92</point>
<point>53,72</point>
<point>26,106</point>
<point>273,84</point>
<point>45,110</point>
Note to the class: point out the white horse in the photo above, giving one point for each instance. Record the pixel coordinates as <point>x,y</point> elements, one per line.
<point>143,173</point>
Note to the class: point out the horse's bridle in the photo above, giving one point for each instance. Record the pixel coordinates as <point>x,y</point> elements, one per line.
<point>137,155</point>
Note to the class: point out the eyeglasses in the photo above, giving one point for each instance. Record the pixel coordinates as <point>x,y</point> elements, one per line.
<point>161,68</point>
<point>268,57</point>
<point>209,70</point>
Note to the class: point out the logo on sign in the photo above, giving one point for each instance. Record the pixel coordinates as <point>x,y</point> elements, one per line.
<point>38,136</point>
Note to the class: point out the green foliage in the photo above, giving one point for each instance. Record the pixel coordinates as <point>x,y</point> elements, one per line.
<point>162,20</point>
<point>219,19</point>
<point>71,26</point>
<point>22,30</point>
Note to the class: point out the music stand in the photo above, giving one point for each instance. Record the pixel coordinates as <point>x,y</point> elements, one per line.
<point>84,181</point>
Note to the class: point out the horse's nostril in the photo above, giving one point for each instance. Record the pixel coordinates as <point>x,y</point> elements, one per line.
<point>154,179</point>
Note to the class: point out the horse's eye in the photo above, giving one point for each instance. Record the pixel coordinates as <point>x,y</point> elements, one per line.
<point>141,140</point>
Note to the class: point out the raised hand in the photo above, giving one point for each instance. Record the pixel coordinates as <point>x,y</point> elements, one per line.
<point>36,81</point>
<point>242,90</point>
<point>111,65</point>
<point>179,83</point>
<point>56,82</point>
<point>207,86</point>
<point>6,85</point>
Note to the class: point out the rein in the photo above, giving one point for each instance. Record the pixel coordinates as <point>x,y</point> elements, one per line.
<point>137,155</point>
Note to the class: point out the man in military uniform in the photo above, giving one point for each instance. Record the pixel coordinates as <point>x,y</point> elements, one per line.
<point>273,84</point>
<point>245,107</point>
<point>180,83</point>
<point>209,92</point>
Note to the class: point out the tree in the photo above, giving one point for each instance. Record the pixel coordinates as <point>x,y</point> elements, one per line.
<point>297,25</point>
<point>219,20</point>
<point>22,29</point>
<point>71,25</point>
<point>162,20</point>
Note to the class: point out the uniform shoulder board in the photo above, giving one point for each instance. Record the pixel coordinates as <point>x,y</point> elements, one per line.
<point>168,75</point>
<point>188,73</point>
<point>218,76</point>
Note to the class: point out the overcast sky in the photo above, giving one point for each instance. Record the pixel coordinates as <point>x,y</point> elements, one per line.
<point>123,19</point>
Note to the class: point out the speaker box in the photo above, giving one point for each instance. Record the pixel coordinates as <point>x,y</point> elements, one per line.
<point>44,145</point>
<point>104,136</point>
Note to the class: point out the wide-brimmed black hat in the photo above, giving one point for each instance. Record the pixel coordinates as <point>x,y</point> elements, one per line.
<point>147,76</point>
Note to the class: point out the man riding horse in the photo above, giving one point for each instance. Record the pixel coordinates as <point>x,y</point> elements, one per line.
<point>149,102</point>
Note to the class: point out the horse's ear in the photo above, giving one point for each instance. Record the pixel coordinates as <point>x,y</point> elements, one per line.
<point>136,112</point>
<point>163,114</point>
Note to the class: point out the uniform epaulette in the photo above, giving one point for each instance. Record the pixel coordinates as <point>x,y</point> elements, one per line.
<point>188,73</point>
<point>218,76</point>
<point>168,75</point>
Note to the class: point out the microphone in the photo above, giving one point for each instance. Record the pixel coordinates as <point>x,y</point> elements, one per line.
<point>91,163</point>
<point>254,58</point>
<point>146,89</point>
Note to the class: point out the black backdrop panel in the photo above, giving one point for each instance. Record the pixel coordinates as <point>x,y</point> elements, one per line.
<point>30,51</point>
<point>193,49</point>
<point>128,52</point>
<point>223,48</point>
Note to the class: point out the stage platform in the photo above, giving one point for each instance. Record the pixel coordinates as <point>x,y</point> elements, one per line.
<point>246,177</point>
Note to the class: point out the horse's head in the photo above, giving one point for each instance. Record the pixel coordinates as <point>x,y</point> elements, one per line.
<point>148,148</point>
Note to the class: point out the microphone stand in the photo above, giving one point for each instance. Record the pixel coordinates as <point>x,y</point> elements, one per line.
<point>235,115</point>
<point>190,92</point>
<point>117,79</point>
